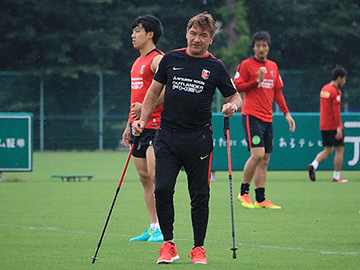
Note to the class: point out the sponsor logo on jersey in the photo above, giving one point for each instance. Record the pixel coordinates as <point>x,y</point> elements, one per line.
<point>137,83</point>
<point>187,85</point>
<point>205,74</point>
<point>267,84</point>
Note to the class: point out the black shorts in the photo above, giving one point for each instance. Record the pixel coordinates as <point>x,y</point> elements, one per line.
<point>328,138</point>
<point>260,132</point>
<point>146,140</point>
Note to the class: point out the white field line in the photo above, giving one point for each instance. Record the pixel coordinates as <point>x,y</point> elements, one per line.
<point>325,252</point>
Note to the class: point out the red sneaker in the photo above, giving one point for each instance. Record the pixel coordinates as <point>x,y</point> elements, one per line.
<point>168,253</point>
<point>341,180</point>
<point>198,255</point>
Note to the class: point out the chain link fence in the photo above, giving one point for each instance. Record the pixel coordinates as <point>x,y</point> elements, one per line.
<point>90,112</point>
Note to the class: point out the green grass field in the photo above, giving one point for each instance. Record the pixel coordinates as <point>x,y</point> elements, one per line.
<point>49,224</point>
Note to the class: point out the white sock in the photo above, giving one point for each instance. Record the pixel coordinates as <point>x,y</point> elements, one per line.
<point>336,175</point>
<point>154,226</point>
<point>315,164</point>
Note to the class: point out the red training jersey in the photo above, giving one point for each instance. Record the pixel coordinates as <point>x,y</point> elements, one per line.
<point>330,113</point>
<point>259,97</point>
<point>141,78</point>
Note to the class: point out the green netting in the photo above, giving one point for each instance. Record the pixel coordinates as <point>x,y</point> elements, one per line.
<point>71,106</point>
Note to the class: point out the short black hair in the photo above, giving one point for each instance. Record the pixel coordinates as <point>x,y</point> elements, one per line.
<point>150,24</point>
<point>261,35</point>
<point>338,71</point>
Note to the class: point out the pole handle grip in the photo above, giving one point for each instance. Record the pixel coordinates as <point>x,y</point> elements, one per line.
<point>226,126</point>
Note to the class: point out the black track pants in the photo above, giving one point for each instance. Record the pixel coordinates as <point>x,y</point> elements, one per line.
<point>193,151</point>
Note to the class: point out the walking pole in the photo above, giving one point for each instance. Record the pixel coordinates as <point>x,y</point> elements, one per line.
<point>113,202</point>
<point>227,136</point>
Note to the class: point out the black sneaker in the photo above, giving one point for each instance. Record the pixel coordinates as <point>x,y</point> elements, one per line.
<point>311,172</point>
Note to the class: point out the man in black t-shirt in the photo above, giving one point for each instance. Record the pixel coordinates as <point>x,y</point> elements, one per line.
<point>184,139</point>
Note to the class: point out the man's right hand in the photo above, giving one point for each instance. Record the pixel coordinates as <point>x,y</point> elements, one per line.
<point>261,73</point>
<point>126,136</point>
<point>138,127</point>
<point>339,134</point>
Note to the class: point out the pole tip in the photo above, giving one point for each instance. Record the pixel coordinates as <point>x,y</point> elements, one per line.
<point>94,259</point>
<point>234,249</point>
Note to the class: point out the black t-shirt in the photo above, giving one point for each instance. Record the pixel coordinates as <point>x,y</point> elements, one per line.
<point>190,86</point>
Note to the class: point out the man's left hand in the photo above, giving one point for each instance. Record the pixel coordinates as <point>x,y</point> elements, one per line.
<point>136,110</point>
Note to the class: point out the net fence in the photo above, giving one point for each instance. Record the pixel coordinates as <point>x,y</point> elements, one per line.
<point>90,112</point>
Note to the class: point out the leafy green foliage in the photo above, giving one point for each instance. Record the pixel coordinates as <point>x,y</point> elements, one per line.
<point>73,37</point>
<point>235,34</point>
<point>63,37</point>
<point>309,34</point>
<point>69,42</point>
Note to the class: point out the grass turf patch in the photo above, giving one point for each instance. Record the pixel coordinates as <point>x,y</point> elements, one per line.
<point>49,224</point>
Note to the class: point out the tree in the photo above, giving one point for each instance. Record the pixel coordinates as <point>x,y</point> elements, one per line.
<point>62,37</point>
<point>88,36</point>
<point>309,34</point>
<point>234,41</point>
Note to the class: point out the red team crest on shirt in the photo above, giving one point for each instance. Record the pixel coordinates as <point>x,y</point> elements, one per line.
<point>205,74</point>
<point>142,70</point>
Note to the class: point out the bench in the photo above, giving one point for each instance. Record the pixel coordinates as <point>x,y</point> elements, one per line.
<point>72,177</point>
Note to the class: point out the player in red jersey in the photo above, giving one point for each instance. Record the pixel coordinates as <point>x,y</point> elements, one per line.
<point>258,78</point>
<point>331,127</point>
<point>146,32</point>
